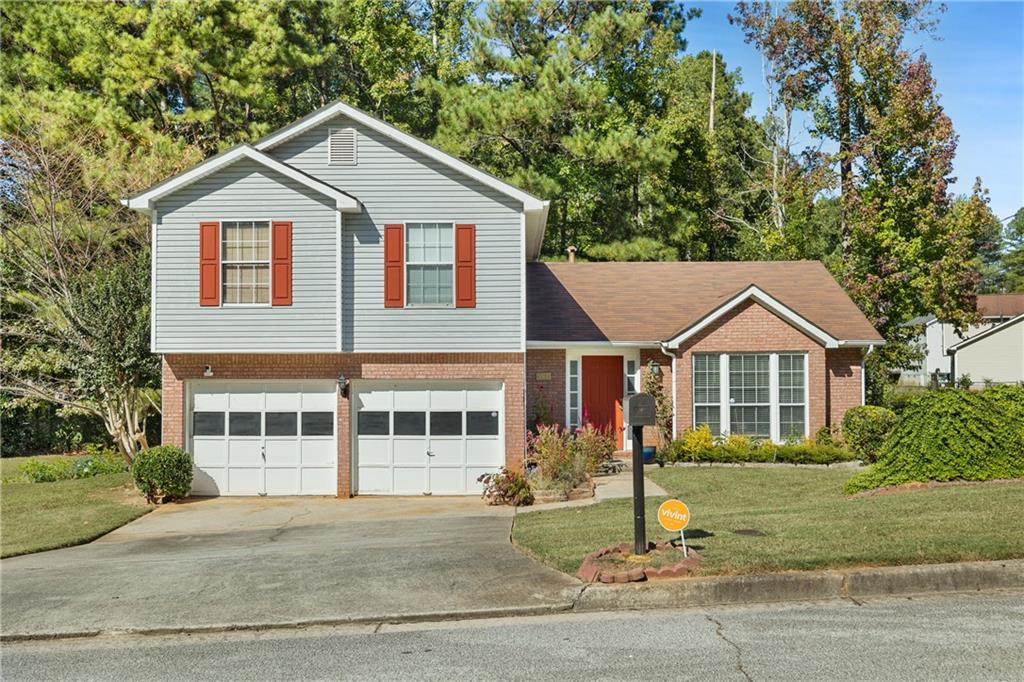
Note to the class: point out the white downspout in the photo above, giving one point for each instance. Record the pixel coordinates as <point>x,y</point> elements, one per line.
<point>864,376</point>
<point>675,412</point>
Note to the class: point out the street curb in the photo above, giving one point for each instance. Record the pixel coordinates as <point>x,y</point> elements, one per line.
<point>662,594</point>
<point>805,586</point>
<point>424,617</point>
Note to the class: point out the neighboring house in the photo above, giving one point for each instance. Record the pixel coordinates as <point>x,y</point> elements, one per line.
<point>938,337</point>
<point>342,308</point>
<point>995,355</point>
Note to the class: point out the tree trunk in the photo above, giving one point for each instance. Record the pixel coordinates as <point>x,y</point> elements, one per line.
<point>843,100</point>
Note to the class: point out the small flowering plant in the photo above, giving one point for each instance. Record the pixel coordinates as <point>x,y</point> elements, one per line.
<point>506,487</point>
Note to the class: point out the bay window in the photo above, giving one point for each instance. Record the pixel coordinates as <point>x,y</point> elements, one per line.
<point>760,395</point>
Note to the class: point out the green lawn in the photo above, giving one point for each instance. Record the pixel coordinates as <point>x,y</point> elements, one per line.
<point>39,516</point>
<point>806,520</point>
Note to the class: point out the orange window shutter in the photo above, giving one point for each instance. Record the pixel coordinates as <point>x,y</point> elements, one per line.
<point>394,266</point>
<point>209,264</point>
<point>465,266</point>
<point>281,263</point>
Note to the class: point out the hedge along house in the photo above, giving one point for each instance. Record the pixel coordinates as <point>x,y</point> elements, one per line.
<point>768,350</point>
<point>342,309</point>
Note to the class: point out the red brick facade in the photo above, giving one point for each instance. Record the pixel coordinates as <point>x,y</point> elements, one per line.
<point>545,382</point>
<point>505,367</point>
<point>834,375</point>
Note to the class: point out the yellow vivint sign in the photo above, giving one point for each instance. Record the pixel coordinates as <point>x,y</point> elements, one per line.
<point>673,515</point>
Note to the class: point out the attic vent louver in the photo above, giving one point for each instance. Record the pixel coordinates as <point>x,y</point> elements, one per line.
<point>341,147</point>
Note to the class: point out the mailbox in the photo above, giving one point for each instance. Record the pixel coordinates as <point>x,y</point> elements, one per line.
<point>641,410</point>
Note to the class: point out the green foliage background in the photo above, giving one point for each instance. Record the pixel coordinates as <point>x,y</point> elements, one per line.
<point>951,435</point>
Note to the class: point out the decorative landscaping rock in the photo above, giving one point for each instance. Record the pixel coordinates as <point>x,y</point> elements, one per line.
<point>591,570</point>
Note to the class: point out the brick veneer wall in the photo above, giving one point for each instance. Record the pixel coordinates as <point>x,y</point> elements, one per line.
<point>541,363</point>
<point>664,363</point>
<point>844,381</point>
<point>505,367</point>
<point>833,375</point>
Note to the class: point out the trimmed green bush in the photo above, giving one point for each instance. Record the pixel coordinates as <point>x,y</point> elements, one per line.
<point>865,429</point>
<point>739,450</point>
<point>163,473</point>
<point>38,470</point>
<point>950,435</point>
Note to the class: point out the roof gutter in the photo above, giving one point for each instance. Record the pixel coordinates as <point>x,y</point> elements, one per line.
<point>675,413</point>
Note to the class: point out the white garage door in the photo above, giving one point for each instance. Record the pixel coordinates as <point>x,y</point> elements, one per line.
<point>413,438</point>
<point>268,438</point>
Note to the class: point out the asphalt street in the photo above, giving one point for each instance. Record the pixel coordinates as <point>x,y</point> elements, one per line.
<point>949,637</point>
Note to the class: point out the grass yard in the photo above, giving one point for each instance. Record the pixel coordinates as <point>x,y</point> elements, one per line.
<point>39,516</point>
<point>807,522</point>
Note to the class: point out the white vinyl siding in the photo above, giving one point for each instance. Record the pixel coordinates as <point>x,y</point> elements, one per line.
<point>395,184</point>
<point>760,395</point>
<point>246,191</point>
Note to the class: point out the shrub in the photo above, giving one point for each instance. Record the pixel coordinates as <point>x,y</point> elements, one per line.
<point>560,465</point>
<point>163,473</point>
<point>594,445</point>
<point>952,434</point>
<point>99,461</point>
<point>741,450</point>
<point>506,487</point>
<point>826,435</point>
<point>38,470</point>
<point>695,441</point>
<point>865,429</point>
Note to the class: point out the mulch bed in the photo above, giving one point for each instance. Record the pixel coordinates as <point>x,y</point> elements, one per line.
<point>618,564</point>
<point>930,485</point>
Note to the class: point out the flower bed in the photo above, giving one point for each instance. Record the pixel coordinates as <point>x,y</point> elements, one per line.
<point>618,564</point>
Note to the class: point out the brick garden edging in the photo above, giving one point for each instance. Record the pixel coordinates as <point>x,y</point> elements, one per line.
<point>591,572</point>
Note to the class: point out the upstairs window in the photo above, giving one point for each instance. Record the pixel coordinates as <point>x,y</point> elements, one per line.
<point>429,261</point>
<point>246,262</point>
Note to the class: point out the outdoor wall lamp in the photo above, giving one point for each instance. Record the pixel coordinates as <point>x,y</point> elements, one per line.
<point>207,371</point>
<point>343,385</point>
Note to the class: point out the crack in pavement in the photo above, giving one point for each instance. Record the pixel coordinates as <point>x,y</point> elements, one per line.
<point>284,526</point>
<point>739,654</point>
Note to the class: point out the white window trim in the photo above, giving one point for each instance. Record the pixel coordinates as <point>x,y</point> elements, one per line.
<point>693,389</point>
<point>779,437</point>
<point>268,263</point>
<point>774,415</point>
<point>406,264</point>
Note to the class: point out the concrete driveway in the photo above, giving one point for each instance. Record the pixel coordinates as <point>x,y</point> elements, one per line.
<point>245,561</point>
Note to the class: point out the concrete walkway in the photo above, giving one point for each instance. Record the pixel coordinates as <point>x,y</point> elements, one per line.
<point>220,562</point>
<point>613,487</point>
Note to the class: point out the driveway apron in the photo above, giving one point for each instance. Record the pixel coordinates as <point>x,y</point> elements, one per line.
<point>223,562</point>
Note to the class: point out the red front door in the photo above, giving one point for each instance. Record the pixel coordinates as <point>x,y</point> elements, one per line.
<point>602,393</point>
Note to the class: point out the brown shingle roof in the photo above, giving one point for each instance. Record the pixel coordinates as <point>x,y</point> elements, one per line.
<point>1001,305</point>
<point>653,301</point>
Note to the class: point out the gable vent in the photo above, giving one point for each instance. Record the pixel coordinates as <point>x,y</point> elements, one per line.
<point>341,147</point>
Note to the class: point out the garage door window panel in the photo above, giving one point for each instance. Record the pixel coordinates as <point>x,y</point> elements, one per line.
<point>245,424</point>
<point>410,423</point>
<point>374,423</point>
<point>482,423</point>
<point>317,423</point>
<point>208,423</point>
<point>445,423</point>
<point>282,424</point>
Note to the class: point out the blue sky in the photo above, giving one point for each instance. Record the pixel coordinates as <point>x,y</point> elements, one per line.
<point>978,64</point>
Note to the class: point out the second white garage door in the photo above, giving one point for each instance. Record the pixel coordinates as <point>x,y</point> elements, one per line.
<point>413,438</point>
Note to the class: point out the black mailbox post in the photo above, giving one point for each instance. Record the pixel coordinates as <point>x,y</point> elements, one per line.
<point>641,411</point>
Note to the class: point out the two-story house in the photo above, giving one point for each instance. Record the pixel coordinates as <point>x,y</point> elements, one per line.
<point>342,308</point>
